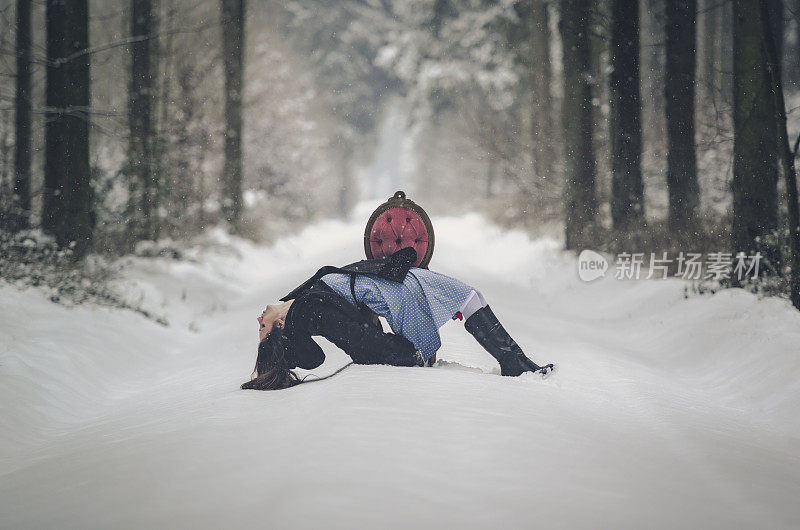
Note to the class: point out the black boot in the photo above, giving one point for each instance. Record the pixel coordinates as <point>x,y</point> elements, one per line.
<point>487,330</point>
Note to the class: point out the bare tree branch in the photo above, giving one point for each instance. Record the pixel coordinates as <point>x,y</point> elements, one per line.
<point>111,45</point>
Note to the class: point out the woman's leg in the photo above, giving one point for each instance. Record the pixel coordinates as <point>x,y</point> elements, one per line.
<point>482,324</point>
<point>363,342</point>
<point>473,302</point>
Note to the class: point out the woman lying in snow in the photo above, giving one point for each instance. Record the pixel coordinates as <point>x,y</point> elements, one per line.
<point>342,304</point>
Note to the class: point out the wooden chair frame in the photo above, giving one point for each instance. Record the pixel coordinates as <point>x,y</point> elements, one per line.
<point>399,200</point>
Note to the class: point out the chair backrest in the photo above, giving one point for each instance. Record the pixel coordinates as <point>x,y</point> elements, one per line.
<point>396,224</point>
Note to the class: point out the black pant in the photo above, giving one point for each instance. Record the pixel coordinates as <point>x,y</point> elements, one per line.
<point>324,312</point>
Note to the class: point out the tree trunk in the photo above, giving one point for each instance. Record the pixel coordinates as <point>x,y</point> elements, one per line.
<point>708,61</point>
<point>233,56</point>
<point>68,195</point>
<point>755,171</point>
<point>725,52</point>
<point>580,198</point>
<point>714,99</point>
<point>627,188</point>
<point>141,104</point>
<point>165,107</point>
<point>543,130</point>
<point>599,37</point>
<point>441,11</point>
<point>682,185</point>
<point>776,24</point>
<point>785,153</point>
<point>54,119</point>
<point>791,72</point>
<point>22,148</point>
<point>654,130</point>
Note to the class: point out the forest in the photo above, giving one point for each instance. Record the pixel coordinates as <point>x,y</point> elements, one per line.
<point>606,335</point>
<point>654,125</point>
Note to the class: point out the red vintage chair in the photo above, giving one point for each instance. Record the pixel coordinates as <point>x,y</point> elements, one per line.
<point>396,224</point>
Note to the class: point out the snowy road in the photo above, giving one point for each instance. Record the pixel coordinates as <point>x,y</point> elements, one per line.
<point>666,411</point>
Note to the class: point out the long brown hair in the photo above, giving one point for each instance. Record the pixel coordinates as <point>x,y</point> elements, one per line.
<point>272,371</point>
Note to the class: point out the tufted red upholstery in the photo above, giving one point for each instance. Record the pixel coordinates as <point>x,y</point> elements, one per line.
<point>398,228</point>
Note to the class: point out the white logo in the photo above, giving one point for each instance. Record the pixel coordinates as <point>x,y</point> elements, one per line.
<point>591,265</point>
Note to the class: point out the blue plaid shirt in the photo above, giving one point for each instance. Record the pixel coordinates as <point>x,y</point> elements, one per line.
<point>415,309</point>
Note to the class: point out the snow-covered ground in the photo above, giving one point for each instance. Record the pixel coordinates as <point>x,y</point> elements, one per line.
<point>666,411</point>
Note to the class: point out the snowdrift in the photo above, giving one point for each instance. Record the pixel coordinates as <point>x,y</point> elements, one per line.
<point>666,411</point>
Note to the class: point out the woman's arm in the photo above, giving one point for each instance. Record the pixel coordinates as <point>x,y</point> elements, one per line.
<point>304,352</point>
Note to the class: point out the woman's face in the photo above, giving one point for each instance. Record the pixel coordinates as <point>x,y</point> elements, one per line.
<point>271,316</point>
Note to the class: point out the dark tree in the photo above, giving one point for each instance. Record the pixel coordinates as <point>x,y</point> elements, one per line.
<point>599,41</point>
<point>141,104</point>
<point>543,129</point>
<point>755,154</point>
<point>725,51</point>
<point>792,47</point>
<point>441,11</point>
<point>627,188</point>
<point>233,56</point>
<point>67,193</point>
<point>580,198</point>
<point>710,68</point>
<point>684,191</point>
<point>54,99</point>
<point>707,61</point>
<point>775,23</point>
<point>652,71</point>
<point>22,148</point>
<point>785,151</point>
